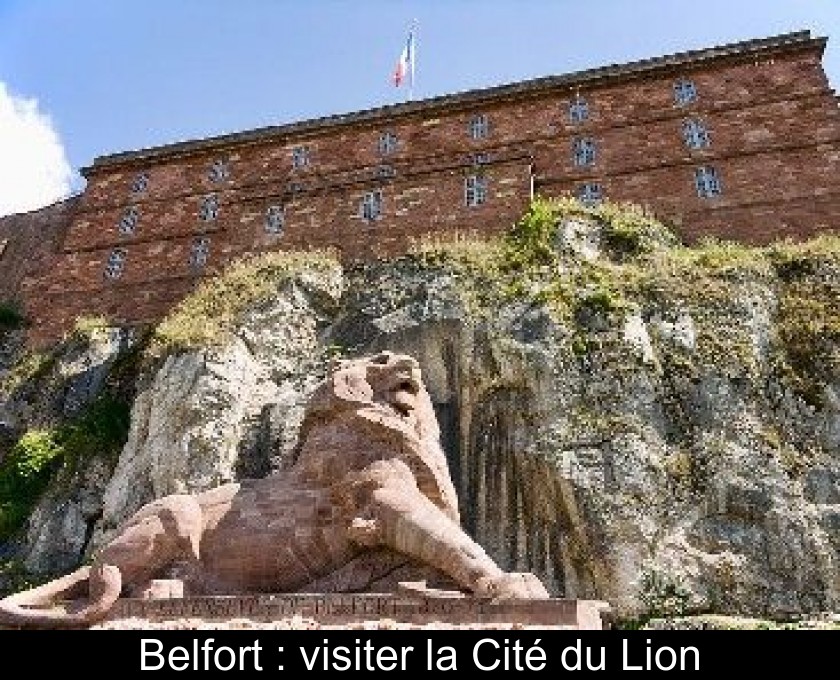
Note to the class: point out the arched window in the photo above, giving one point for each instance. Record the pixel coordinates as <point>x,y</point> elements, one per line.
<point>128,222</point>
<point>707,182</point>
<point>219,171</point>
<point>584,151</point>
<point>140,183</point>
<point>685,92</point>
<point>199,252</point>
<point>300,157</point>
<point>475,190</point>
<point>114,265</point>
<point>695,134</point>
<point>371,205</point>
<point>590,193</point>
<point>275,219</point>
<point>387,143</point>
<point>578,110</point>
<point>208,208</point>
<point>479,127</point>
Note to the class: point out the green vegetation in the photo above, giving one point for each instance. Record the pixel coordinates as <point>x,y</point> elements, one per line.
<point>637,265</point>
<point>29,367</point>
<point>626,229</point>
<point>527,263</point>
<point>14,578</point>
<point>642,266</point>
<point>207,317</point>
<point>809,327</point>
<point>86,327</point>
<point>663,595</point>
<point>32,463</point>
<point>10,316</point>
<point>723,622</point>
<point>24,474</point>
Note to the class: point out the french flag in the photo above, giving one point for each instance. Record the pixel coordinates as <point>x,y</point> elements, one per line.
<point>405,66</point>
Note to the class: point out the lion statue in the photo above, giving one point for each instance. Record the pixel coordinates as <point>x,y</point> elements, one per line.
<point>369,478</point>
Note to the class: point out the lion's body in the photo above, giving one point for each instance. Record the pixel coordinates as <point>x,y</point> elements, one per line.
<point>369,475</point>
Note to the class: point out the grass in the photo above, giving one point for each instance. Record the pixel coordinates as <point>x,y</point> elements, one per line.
<point>86,327</point>
<point>208,316</point>
<point>29,367</point>
<point>32,463</point>
<point>727,622</point>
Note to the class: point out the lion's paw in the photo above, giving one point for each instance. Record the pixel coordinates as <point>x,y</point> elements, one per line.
<point>525,586</point>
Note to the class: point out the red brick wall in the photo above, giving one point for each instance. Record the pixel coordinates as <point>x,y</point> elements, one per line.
<point>26,241</point>
<point>775,142</point>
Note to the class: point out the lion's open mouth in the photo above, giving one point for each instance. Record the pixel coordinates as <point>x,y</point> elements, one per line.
<point>404,395</point>
<point>409,385</point>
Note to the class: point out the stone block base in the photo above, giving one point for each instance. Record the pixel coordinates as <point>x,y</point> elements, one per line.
<point>337,609</point>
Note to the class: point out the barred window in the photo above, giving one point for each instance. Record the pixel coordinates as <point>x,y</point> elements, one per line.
<point>140,183</point>
<point>479,127</point>
<point>208,208</point>
<point>475,190</point>
<point>300,157</point>
<point>584,151</point>
<point>114,265</point>
<point>385,171</point>
<point>480,158</point>
<point>685,92</point>
<point>695,134</point>
<point>219,171</point>
<point>199,252</point>
<point>129,219</point>
<point>590,193</point>
<point>578,110</point>
<point>387,143</point>
<point>707,182</point>
<point>275,219</point>
<point>371,205</point>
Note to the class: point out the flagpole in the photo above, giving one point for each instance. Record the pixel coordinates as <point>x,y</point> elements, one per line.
<point>413,58</point>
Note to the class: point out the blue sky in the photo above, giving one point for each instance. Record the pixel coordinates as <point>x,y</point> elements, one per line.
<point>115,75</point>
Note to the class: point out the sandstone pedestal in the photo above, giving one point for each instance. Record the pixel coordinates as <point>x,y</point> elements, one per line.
<point>404,607</point>
<point>163,589</point>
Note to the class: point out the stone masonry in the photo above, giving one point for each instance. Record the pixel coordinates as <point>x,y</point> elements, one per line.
<point>740,141</point>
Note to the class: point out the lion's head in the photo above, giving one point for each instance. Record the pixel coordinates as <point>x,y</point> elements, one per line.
<point>381,398</point>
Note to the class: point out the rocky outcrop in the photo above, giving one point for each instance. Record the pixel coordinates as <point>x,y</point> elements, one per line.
<point>214,415</point>
<point>48,392</point>
<point>632,420</point>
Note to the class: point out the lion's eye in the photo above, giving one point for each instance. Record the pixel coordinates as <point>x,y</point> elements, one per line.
<point>381,359</point>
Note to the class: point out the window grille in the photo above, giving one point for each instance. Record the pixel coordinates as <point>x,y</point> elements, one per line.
<point>584,151</point>
<point>199,252</point>
<point>475,190</point>
<point>275,219</point>
<point>114,265</point>
<point>128,222</point>
<point>371,205</point>
<point>707,182</point>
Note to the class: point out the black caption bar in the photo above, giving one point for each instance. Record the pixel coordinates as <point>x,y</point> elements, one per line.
<point>316,652</point>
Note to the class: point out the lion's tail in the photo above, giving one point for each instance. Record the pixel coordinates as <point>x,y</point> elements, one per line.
<point>36,608</point>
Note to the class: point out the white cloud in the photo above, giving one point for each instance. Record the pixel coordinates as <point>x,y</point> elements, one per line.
<point>33,166</point>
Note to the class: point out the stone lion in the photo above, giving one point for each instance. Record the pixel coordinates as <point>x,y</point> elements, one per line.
<point>369,479</point>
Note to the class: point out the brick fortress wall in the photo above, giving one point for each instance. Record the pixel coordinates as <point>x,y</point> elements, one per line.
<point>28,241</point>
<point>766,133</point>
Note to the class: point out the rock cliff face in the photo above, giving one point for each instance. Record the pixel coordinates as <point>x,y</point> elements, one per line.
<point>630,419</point>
